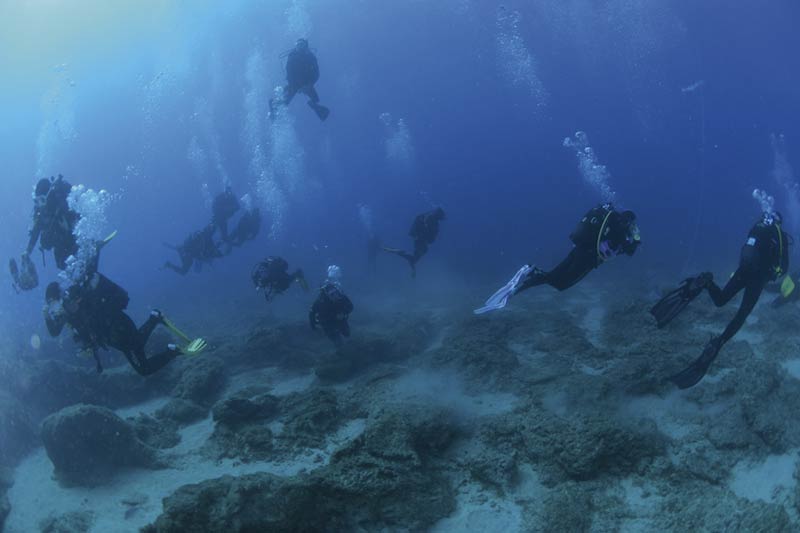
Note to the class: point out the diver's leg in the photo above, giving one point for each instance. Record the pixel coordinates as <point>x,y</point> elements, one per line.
<point>311,92</point>
<point>344,328</point>
<point>149,326</point>
<point>146,366</point>
<point>752,292</point>
<point>721,297</point>
<point>572,269</point>
<point>288,94</point>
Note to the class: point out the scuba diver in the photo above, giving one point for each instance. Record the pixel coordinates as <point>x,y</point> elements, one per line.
<point>199,247</point>
<point>424,231</point>
<point>764,258</point>
<point>247,228</point>
<point>95,313</point>
<point>332,309</point>
<point>272,275</point>
<point>53,224</point>
<point>602,234</point>
<point>302,72</point>
<point>224,206</point>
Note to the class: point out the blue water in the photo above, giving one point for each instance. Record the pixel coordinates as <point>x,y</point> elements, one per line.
<point>687,105</point>
<point>678,100</point>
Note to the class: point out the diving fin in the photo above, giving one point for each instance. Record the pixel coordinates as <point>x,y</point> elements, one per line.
<point>194,347</point>
<point>321,111</point>
<point>24,276</point>
<point>676,300</point>
<point>500,298</point>
<point>787,287</point>
<point>691,375</point>
<point>174,329</point>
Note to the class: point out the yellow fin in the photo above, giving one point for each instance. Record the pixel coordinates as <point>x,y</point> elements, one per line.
<point>787,287</point>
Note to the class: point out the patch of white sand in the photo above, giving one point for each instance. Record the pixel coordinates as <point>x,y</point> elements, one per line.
<point>644,504</point>
<point>593,323</point>
<point>146,408</point>
<point>768,480</point>
<point>36,496</point>
<point>281,384</point>
<point>675,416</point>
<point>556,402</point>
<point>479,509</point>
<point>792,366</point>
<point>446,390</point>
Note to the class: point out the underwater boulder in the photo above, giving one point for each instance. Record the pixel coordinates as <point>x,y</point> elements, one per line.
<point>201,381</point>
<point>155,432</point>
<point>587,446</point>
<point>88,445</point>
<point>240,430</point>
<point>385,479</point>
<point>240,409</point>
<point>308,417</point>
<point>73,522</point>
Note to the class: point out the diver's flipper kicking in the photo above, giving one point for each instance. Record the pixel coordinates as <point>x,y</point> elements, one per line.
<point>692,374</point>
<point>499,299</point>
<point>676,300</point>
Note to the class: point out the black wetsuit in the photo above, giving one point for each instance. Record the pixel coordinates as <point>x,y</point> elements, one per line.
<point>590,251</point>
<point>764,257</point>
<point>247,228</point>
<point>302,73</point>
<point>225,205</point>
<point>54,222</point>
<point>424,231</point>
<point>272,275</point>
<point>96,315</point>
<point>199,247</point>
<point>331,310</point>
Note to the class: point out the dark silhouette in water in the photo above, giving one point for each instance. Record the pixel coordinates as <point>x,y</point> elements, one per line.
<point>272,275</point>
<point>247,228</point>
<point>224,206</point>
<point>52,227</point>
<point>424,231</point>
<point>302,72</point>
<point>95,313</point>
<point>764,258</point>
<point>331,311</point>
<point>198,248</point>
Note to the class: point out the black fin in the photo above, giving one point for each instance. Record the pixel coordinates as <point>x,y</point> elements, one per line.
<point>691,375</point>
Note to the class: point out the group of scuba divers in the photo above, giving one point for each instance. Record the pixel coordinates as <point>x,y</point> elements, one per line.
<point>605,232</point>
<point>94,306</point>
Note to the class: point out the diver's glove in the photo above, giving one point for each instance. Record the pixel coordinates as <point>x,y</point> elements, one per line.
<point>499,299</point>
